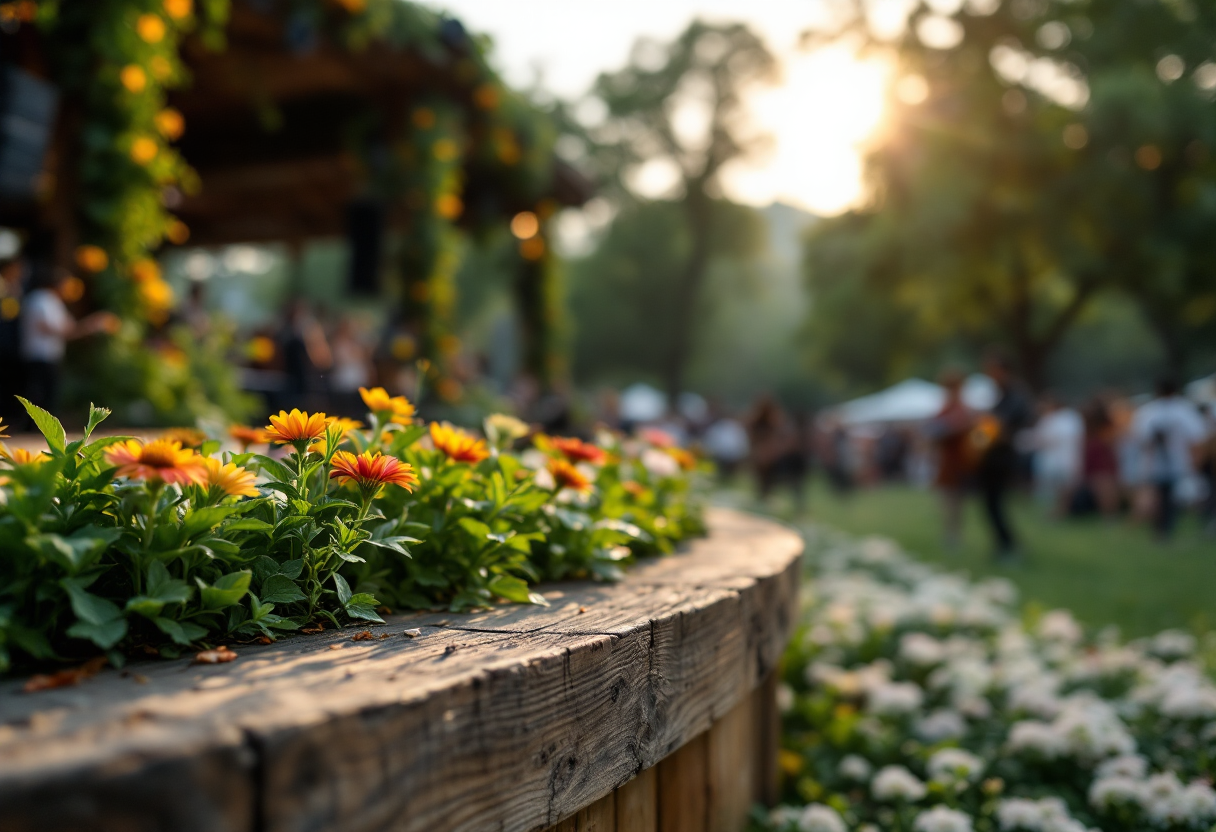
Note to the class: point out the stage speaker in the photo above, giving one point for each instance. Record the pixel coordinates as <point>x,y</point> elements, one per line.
<point>27,118</point>
<point>365,238</point>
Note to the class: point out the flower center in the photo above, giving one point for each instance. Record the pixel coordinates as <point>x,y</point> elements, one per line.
<point>158,457</point>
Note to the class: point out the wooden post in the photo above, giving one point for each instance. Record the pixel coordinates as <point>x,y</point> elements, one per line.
<point>684,786</point>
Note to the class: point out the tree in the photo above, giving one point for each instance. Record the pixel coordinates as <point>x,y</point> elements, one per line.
<point>701,77</point>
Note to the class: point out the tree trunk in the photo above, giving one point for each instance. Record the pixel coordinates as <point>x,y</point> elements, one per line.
<point>697,211</point>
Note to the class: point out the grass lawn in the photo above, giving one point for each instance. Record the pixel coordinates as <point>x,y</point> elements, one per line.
<point>1105,573</point>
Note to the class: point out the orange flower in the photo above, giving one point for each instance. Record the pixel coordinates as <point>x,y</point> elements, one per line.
<point>686,459</point>
<point>151,28</point>
<point>3,427</point>
<point>247,436</point>
<point>162,460</point>
<point>177,9</point>
<point>177,232</point>
<point>91,258</point>
<point>378,401</point>
<point>143,150</point>
<point>343,424</point>
<point>170,123</point>
<point>458,445</point>
<point>186,437</point>
<point>145,271</point>
<point>296,427</point>
<point>633,487</point>
<point>133,78</point>
<point>372,471</point>
<point>20,456</point>
<point>576,450</point>
<point>567,476</point>
<point>231,479</point>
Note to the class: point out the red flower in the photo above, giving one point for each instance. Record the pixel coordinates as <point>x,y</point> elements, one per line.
<point>372,471</point>
<point>576,450</point>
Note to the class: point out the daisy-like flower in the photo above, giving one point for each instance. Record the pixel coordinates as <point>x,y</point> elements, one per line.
<point>686,459</point>
<point>372,471</point>
<point>162,460</point>
<point>230,478</point>
<point>458,445</point>
<point>186,437</point>
<point>576,450</point>
<point>567,476</point>
<point>20,456</point>
<point>396,408</point>
<point>297,428</point>
<point>246,436</point>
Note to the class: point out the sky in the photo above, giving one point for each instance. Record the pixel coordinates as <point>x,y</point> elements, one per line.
<point>826,106</point>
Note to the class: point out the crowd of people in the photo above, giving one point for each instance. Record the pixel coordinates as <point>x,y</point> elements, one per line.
<point>1147,458</point>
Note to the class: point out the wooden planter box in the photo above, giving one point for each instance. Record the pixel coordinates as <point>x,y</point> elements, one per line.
<point>644,705</point>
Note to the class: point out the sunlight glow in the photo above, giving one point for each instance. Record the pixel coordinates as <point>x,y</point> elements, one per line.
<point>831,103</point>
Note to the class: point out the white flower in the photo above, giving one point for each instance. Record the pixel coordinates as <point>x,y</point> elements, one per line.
<point>1189,702</point>
<point>820,818</point>
<point>1036,738</point>
<point>1059,625</point>
<point>855,767</point>
<point>660,464</point>
<point>1108,792</point>
<point>1125,765</point>
<point>951,764</point>
<point>895,699</point>
<point>783,816</point>
<point>897,783</point>
<point>785,698</point>
<point>941,725</point>
<point>941,819</point>
<point>921,649</point>
<point>1172,644</point>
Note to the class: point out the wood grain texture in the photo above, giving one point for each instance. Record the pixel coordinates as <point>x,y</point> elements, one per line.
<point>684,788</point>
<point>637,803</point>
<point>731,768</point>
<point>511,719</point>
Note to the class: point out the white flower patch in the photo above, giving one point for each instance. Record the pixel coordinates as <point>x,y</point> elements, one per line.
<point>855,767</point>
<point>893,783</point>
<point>1047,815</point>
<point>941,819</point>
<point>820,818</point>
<point>954,764</point>
<point>895,699</point>
<point>941,725</point>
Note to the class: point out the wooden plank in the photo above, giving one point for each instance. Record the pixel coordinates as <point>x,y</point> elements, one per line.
<point>684,788</point>
<point>637,803</point>
<point>731,761</point>
<point>767,741</point>
<point>600,816</point>
<point>511,719</point>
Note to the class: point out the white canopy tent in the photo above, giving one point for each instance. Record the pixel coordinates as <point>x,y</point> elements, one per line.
<point>914,400</point>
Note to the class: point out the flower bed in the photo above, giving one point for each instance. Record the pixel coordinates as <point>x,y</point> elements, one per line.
<point>921,701</point>
<point>116,546</point>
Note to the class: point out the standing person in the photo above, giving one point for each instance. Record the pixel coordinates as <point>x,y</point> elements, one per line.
<point>949,431</point>
<point>773,440</point>
<point>1058,442</point>
<point>46,327</point>
<point>1012,413</point>
<point>1168,430</point>
<point>1100,467</point>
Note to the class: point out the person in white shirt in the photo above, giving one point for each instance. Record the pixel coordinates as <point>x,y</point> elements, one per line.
<point>1058,441</point>
<point>46,327</point>
<point>1167,432</point>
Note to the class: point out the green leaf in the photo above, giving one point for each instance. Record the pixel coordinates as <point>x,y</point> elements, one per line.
<point>200,520</point>
<point>145,606</point>
<point>97,415</point>
<point>182,632</point>
<point>228,590</point>
<point>104,635</point>
<point>165,588</point>
<point>90,608</point>
<point>344,593</point>
<point>275,469</point>
<point>249,524</point>
<point>515,589</point>
<point>395,543</point>
<point>292,568</point>
<point>363,605</point>
<point>474,527</point>
<point>279,589</point>
<point>51,427</point>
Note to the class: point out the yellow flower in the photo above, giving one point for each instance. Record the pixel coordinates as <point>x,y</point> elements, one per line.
<point>170,123</point>
<point>177,9</point>
<point>160,461</point>
<point>186,437</point>
<point>296,427</point>
<point>231,479</point>
<point>133,78</point>
<point>143,150</point>
<point>161,68</point>
<point>20,456</point>
<point>458,445</point>
<point>144,270</point>
<point>156,294</point>
<point>395,408</point>
<point>343,424</point>
<point>151,28</point>
<point>91,258</point>
<point>3,427</point>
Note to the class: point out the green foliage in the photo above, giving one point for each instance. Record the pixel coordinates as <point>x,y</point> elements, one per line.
<point>181,548</point>
<point>1006,202</point>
